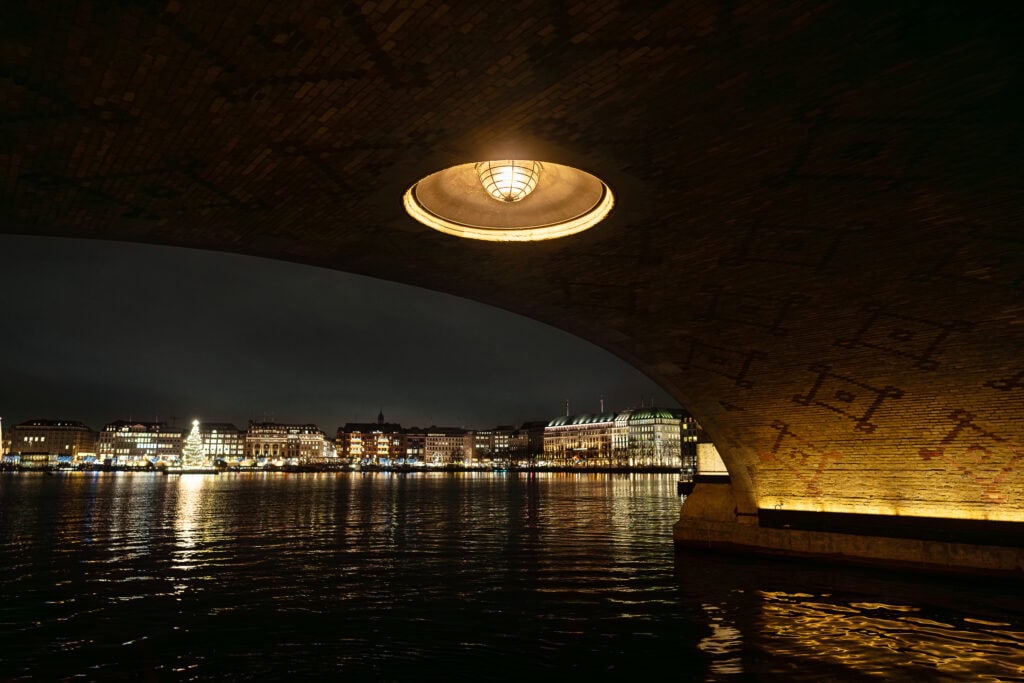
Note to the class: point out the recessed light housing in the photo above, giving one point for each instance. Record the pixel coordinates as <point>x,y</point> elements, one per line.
<point>509,200</point>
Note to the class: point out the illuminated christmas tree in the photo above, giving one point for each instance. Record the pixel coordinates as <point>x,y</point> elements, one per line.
<point>193,455</point>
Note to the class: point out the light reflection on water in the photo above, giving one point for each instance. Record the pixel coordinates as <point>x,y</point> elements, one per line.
<point>473,575</point>
<point>876,638</point>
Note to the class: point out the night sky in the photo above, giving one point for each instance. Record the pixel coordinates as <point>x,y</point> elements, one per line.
<point>100,331</point>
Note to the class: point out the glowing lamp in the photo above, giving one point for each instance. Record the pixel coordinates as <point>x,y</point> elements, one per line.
<point>568,201</point>
<point>509,180</point>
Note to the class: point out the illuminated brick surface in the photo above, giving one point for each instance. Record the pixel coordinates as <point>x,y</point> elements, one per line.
<point>818,243</point>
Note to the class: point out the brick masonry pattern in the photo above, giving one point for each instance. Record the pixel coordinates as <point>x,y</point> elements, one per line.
<point>817,246</point>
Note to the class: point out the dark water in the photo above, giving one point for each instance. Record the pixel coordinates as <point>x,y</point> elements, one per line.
<point>447,576</point>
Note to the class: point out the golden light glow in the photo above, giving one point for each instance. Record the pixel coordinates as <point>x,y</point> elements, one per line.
<point>931,509</point>
<point>564,202</point>
<point>875,638</point>
<point>509,180</point>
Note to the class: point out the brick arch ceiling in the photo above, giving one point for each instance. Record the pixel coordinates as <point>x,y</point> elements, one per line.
<point>817,246</point>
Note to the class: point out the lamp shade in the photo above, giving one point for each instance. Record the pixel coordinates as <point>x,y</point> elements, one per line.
<point>509,180</point>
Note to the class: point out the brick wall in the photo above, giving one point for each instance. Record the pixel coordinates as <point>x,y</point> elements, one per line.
<point>816,247</point>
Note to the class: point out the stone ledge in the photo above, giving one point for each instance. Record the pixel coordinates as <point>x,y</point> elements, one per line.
<point>895,553</point>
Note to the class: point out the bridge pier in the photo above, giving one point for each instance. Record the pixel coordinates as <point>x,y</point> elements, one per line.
<point>710,519</point>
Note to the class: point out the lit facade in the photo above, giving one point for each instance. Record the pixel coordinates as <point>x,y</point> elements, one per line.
<point>414,445</point>
<point>488,446</point>
<point>526,444</point>
<point>46,443</point>
<point>329,452</point>
<point>444,446</point>
<point>479,446</point>
<point>138,444</point>
<point>690,433</point>
<point>223,441</point>
<point>285,443</point>
<point>583,440</point>
<point>620,436</point>
<point>654,439</point>
<point>371,443</point>
<point>642,437</point>
<point>501,443</point>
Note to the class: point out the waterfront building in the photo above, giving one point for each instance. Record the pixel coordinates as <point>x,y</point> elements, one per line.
<point>654,441</point>
<point>479,446</point>
<point>579,440</point>
<point>371,443</point>
<point>502,443</point>
<point>329,453</point>
<point>637,437</point>
<point>690,433</point>
<point>470,454</point>
<point>276,443</point>
<point>49,443</point>
<point>488,446</point>
<point>414,445</point>
<point>223,441</point>
<point>444,445</point>
<point>620,436</point>
<point>526,444</point>
<point>138,444</point>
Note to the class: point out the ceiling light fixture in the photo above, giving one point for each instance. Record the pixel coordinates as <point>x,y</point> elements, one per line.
<point>509,180</point>
<point>559,200</point>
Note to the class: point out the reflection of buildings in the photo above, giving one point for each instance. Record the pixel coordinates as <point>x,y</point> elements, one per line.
<point>300,443</point>
<point>642,437</point>
<point>46,443</point>
<point>136,444</point>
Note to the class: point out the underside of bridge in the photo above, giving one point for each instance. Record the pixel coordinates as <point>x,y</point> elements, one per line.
<point>816,244</point>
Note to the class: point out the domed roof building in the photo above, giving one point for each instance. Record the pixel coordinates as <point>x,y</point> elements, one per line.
<point>596,418</point>
<point>651,414</point>
<point>653,438</point>
<point>583,440</point>
<point>637,437</point>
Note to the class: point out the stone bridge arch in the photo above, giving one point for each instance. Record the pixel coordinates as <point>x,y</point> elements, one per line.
<point>816,247</point>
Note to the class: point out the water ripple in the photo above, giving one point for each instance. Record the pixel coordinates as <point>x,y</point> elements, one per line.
<point>432,575</point>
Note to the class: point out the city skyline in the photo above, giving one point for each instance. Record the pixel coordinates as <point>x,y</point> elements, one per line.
<point>643,437</point>
<point>102,331</point>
